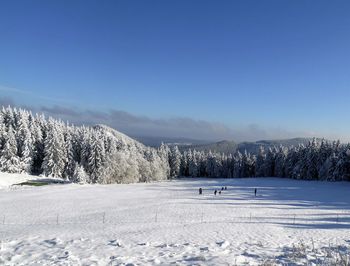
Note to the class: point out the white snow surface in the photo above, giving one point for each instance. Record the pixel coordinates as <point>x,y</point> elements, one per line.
<point>169,223</point>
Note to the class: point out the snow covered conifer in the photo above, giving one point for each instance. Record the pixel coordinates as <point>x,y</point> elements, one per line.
<point>184,164</point>
<point>269,165</point>
<point>24,142</point>
<point>97,155</point>
<point>192,164</point>
<point>54,160</point>
<point>174,161</point>
<point>9,161</point>
<point>79,174</point>
<point>280,162</point>
<point>312,160</point>
<point>237,161</point>
<point>327,171</point>
<point>260,159</point>
<point>69,162</point>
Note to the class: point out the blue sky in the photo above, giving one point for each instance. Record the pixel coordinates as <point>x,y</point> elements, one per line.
<point>244,69</point>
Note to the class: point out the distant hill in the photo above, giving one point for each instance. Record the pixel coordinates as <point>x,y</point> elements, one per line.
<point>157,141</point>
<point>252,147</point>
<point>224,146</point>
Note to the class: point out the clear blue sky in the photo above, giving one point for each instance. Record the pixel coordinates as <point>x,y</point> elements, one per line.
<point>275,64</point>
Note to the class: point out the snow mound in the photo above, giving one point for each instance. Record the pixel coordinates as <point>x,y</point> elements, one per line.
<point>8,180</point>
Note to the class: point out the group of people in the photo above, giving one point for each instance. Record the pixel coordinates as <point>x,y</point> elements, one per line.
<point>215,191</point>
<point>223,188</point>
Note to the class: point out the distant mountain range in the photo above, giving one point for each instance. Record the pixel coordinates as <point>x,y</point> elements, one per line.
<point>253,147</point>
<point>224,146</point>
<point>157,141</point>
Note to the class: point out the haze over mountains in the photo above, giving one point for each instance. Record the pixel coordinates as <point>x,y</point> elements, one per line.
<point>224,146</point>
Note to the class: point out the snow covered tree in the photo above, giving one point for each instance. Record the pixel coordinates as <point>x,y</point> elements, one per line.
<point>163,156</point>
<point>260,159</point>
<point>9,161</point>
<point>38,129</point>
<point>192,163</point>
<point>70,163</point>
<point>342,168</point>
<point>280,162</point>
<point>247,165</point>
<point>237,162</point>
<point>211,165</point>
<point>174,161</point>
<point>312,160</point>
<point>328,168</point>
<point>24,142</point>
<point>79,174</point>
<point>184,164</point>
<point>269,164</point>
<point>54,150</point>
<point>96,156</point>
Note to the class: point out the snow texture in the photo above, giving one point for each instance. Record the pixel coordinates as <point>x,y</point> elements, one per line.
<point>165,223</point>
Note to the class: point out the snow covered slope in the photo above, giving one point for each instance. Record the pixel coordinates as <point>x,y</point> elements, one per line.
<point>168,222</point>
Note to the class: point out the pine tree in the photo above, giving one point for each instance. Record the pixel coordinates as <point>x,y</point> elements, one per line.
<point>312,160</point>
<point>269,165</point>
<point>174,161</point>
<point>280,162</point>
<point>237,161</point>
<point>96,156</point>
<point>24,142</point>
<point>192,164</point>
<point>260,159</point>
<point>70,163</point>
<point>9,161</point>
<point>327,171</point>
<point>163,155</point>
<point>79,174</point>
<point>38,129</point>
<point>342,168</point>
<point>54,150</point>
<point>184,164</point>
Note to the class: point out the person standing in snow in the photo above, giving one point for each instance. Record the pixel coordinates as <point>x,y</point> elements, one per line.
<point>200,191</point>
<point>215,192</point>
<point>255,192</point>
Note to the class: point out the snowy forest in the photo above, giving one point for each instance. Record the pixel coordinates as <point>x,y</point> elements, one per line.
<point>37,145</point>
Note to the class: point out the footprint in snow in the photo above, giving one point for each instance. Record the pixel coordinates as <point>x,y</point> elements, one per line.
<point>115,243</point>
<point>204,249</point>
<point>50,242</point>
<point>246,254</point>
<point>144,244</point>
<point>223,244</point>
<point>65,256</point>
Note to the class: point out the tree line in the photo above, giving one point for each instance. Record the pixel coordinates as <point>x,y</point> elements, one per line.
<point>322,160</point>
<point>38,145</point>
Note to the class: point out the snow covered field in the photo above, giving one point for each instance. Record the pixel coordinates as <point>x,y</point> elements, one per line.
<point>169,223</point>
